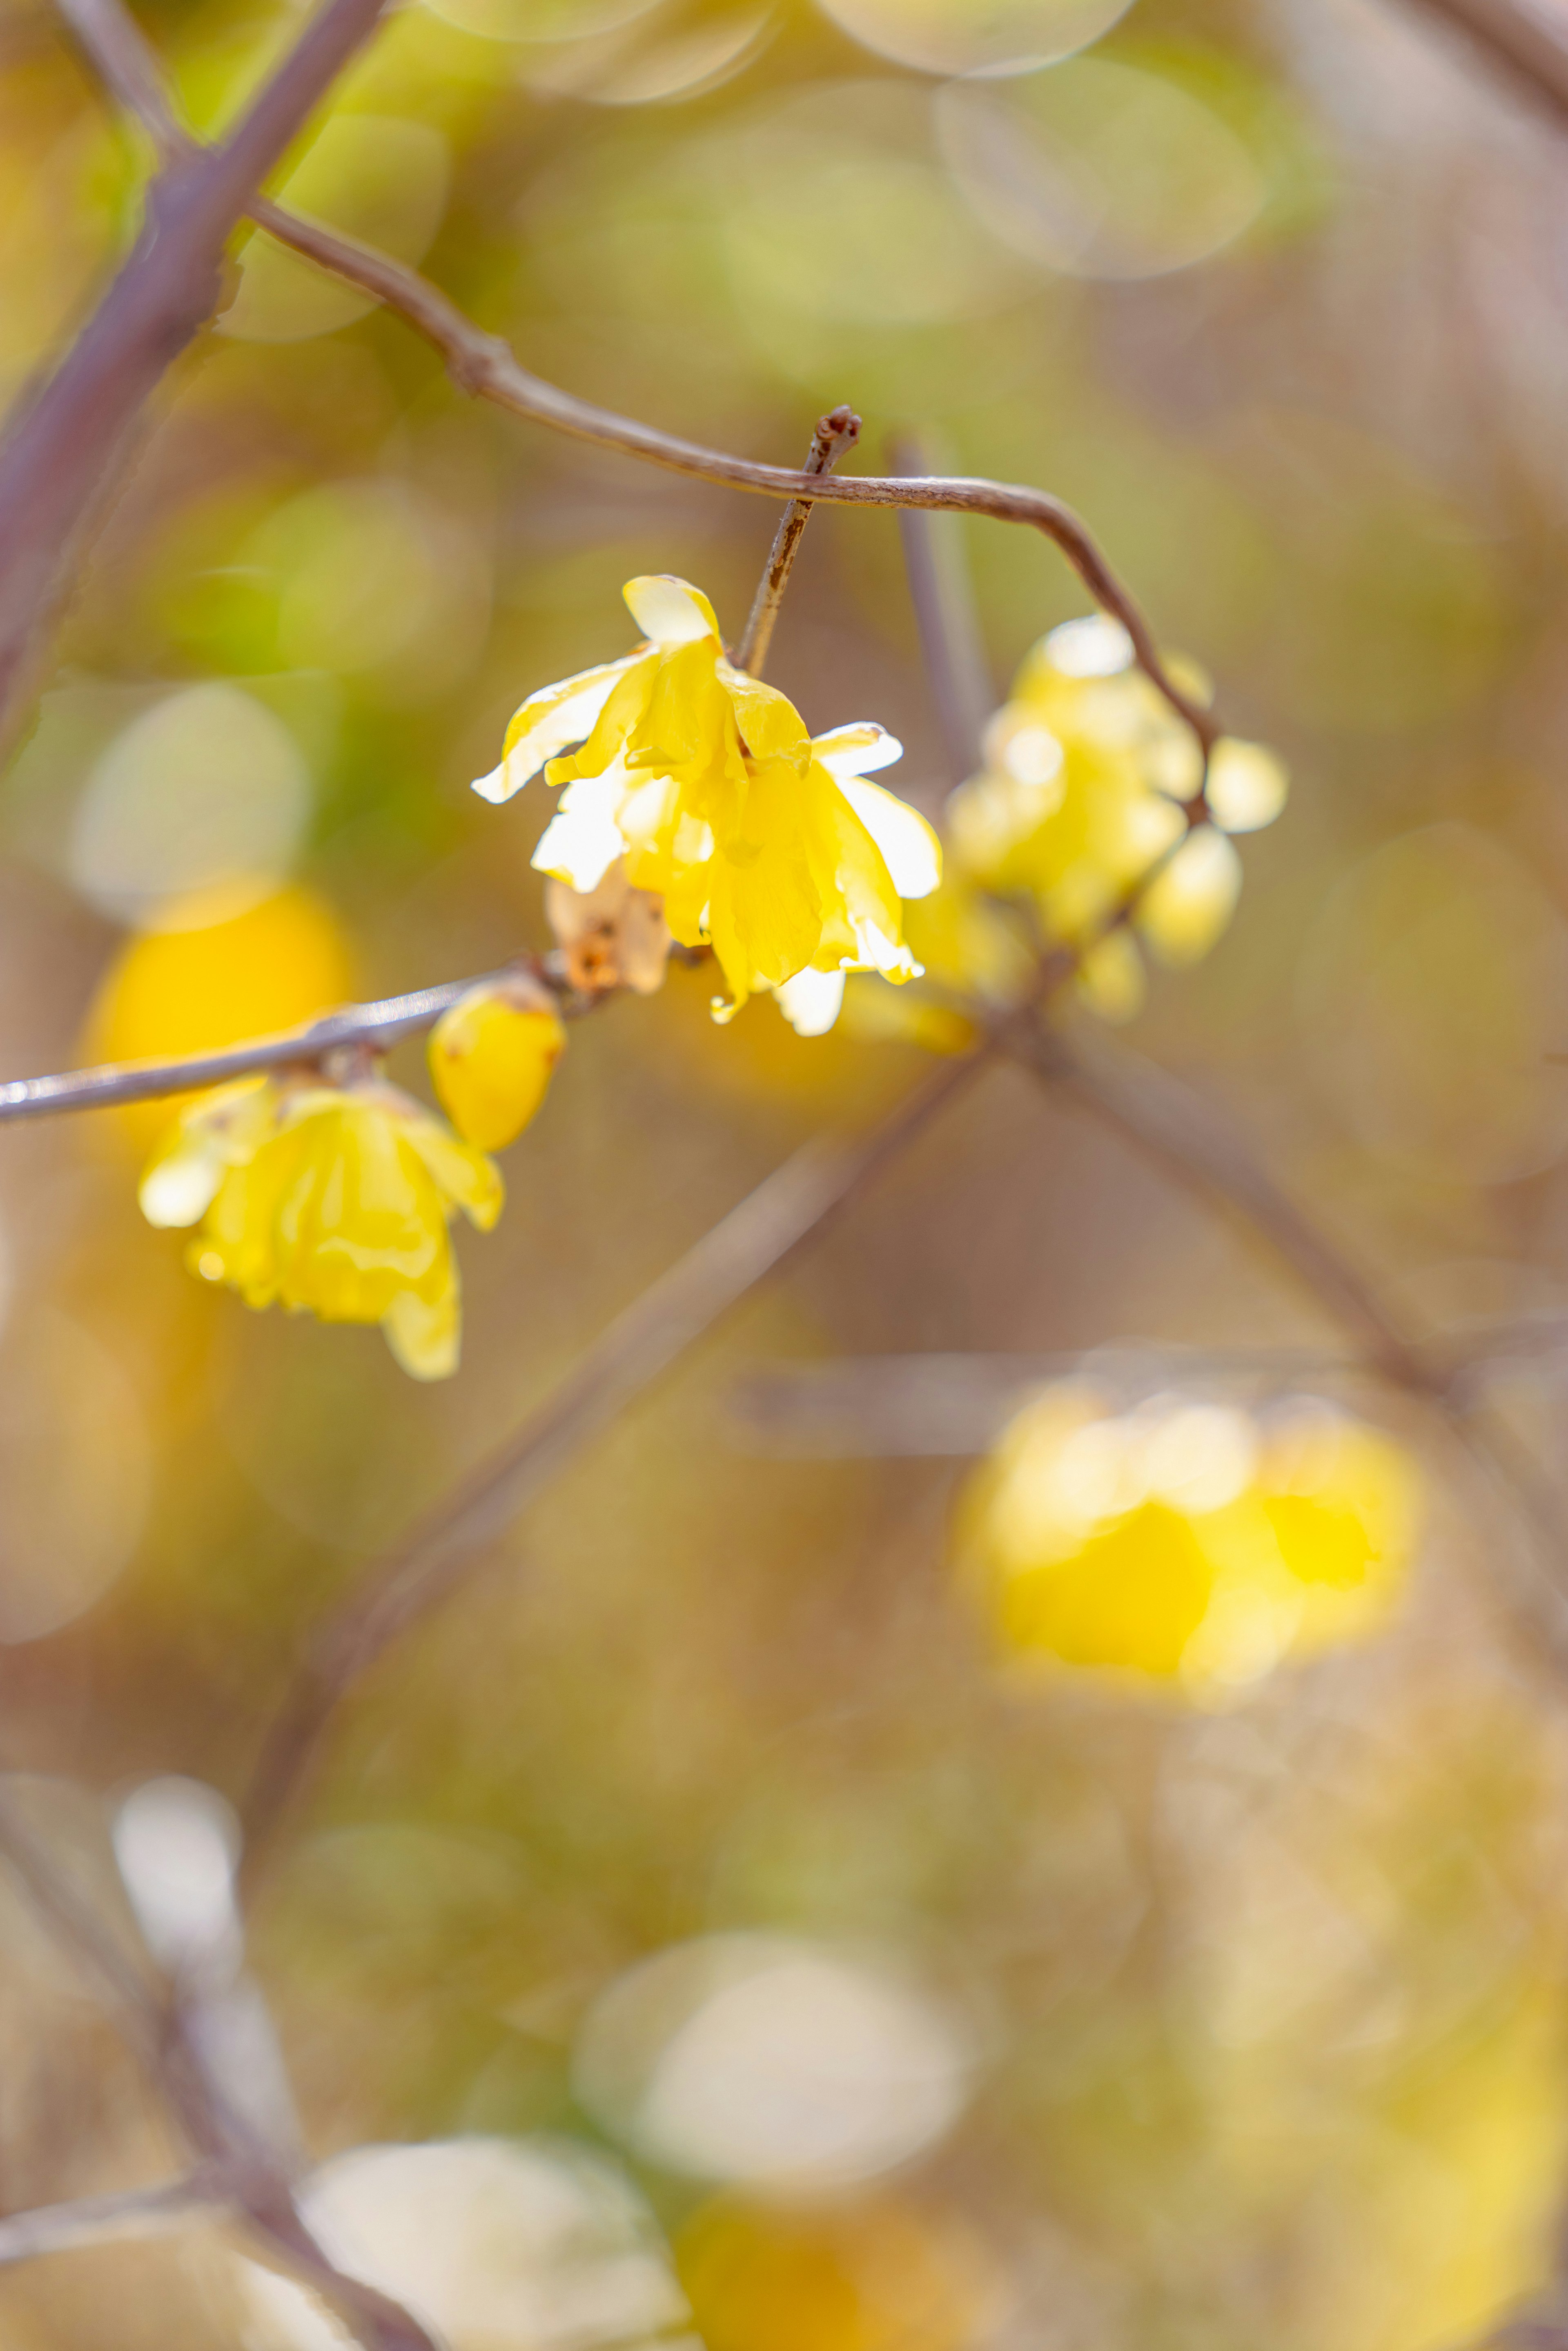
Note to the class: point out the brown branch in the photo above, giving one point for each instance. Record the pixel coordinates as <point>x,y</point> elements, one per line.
<point>379,1025</point>
<point>483,365</point>
<point>835,432</point>
<point>234,2165</point>
<point>1526,40</point>
<point>66,441</point>
<point>1176,1128</point>
<point>109,2219</point>
<point>669,1317</point>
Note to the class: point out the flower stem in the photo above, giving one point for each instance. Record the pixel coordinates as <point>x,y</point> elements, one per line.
<point>835,432</point>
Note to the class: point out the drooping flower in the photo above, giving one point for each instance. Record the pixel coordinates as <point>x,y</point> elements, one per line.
<point>492,1057</point>
<point>329,1200</point>
<point>1187,1545</point>
<point>1088,774</point>
<point>766,843</point>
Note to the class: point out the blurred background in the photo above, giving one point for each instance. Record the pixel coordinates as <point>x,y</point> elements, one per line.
<point>701,1928</point>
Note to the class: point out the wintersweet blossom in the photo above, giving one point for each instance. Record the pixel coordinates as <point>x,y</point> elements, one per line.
<point>492,1057</point>
<point>332,1201</point>
<point>761,840</point>
<point>1087,774</point>
<point>1187,1543</point>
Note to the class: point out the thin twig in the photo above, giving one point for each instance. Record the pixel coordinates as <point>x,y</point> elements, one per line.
<point>669,1318</point>
<point>379,1025</point>
<point>835,432</point>
<point>235,2165</point>
<point>950,638</point>
<point>109,2219</point>
<point>483,365</point>
<point>68,439</point>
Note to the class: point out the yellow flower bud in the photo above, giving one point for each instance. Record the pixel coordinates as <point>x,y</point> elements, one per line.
<point>491,1057</point>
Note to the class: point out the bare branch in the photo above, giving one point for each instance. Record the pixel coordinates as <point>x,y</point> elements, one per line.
<point>669,1318</point>
<point>1526,40</point>
<point>109,2219</point>
<point>379,1025</point>
<point>67,443</point>
<point>835,432</point>
<point>234,2164</point>
<point>482,364</point>
<point>1176,1129</point>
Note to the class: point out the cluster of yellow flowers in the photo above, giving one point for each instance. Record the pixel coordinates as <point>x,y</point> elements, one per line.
<point>1186,1544</point>
<point>696,807</point>
<point>1091,783</point>
<point>761,841</point>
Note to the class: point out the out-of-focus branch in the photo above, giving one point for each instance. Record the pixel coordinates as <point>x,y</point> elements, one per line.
<point>109,2219</point>
<point>669,1318</point>
<point>835,432</point>
<point>66,441</point>
<point>236,2167</point>
<point>950,638</point>
<point>1526,40</point>
<point>482,364</point>
<point>1176,1128</point>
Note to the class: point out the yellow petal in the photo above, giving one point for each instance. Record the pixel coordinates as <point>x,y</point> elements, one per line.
<point>219,1130</point>
<point>491,1060</point>
<point>461,1174</point>
<point>547,722</point>
<point>858,749</point>
<point>1247,785</point>
<point>1191,901</point>
<point>810,1002</point>
<point>670,612</point>
<point>583,840</point>
<point>910,848</point>
<point>424,1335</point>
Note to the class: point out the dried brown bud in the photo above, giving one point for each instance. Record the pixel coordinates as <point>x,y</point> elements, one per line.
<point>610,936</point>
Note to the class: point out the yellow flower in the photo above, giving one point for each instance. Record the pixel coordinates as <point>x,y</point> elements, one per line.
<point>766,843</point>
<point>1087,771</point>
<point>1187,1544</point>
<point>492,1057</point>
<point>332,1201</point>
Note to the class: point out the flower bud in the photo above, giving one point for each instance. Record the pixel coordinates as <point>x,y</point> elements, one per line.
<point>491,1057</point>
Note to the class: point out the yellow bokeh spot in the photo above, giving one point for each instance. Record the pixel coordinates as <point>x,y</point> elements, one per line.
<point>218,978</point>
<point>1186,1544</point>
<point>872,2277</point>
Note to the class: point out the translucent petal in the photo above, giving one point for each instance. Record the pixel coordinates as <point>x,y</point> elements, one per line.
<point>1095,646</point>
<point>1247,785</point>
<point>670,612</point>
<point>910,848</point>
<point>463,1175</point>
<point>179,1187</point>
<point>582,840</point>
<point>858,749</point>
<point>423,1334</point>
<point>1189,904</point>
<point>547,722</point>
<point>810,1001</point>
